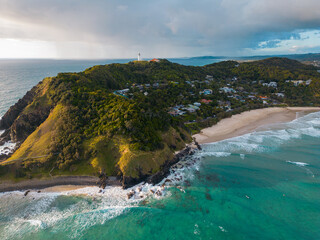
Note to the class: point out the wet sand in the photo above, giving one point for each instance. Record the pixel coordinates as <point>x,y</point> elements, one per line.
<point>56,184</point>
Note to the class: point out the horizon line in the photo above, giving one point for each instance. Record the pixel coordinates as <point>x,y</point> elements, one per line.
<point>129,58</point>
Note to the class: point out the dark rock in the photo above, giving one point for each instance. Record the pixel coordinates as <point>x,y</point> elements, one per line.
<point>197,144</point>
<point>26,193</point>
<point>131,194</point>
<point>208,196</point>
<point>165,170</point>
<point>187,183</point>
<point>14,111</point>
<point>159,193</point>
<point>103,180</point>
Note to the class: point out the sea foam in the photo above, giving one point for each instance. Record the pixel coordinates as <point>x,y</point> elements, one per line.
<point>269,140</point>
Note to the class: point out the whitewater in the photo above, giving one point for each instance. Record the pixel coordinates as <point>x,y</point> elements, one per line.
<point>262,185</point>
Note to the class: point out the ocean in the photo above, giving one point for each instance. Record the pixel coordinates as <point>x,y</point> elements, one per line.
<point>262,185</point>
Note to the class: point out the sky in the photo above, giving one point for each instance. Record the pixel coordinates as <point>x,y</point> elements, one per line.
<point>95,29</point>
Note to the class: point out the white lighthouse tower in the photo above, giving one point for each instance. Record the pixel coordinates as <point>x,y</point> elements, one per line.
<point>139,55</point>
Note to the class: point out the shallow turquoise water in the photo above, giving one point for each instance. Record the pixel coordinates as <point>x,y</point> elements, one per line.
<point>263,185</point>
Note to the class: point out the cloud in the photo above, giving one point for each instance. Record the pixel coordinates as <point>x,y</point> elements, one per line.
<point>166,28</point>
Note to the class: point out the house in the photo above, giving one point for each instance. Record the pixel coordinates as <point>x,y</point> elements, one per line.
<point>263,97</point>
<point>237,97</point>
<point>123,91</point>
<point>191,84</point>
<point>227,90</point>
<point>270,84</point>
<point>205,101</point>
<point>194,107</point>
<point>206,92</point>
<point>191,110</point>
<point>155,60</point>
<point>173,113</point>
<point>295,82</point>
<point>175,83</point>
<point>209,78</point>
<point>234,79</point>
<point>225,105</point>
<point>139,86</point>
<point>308,82</point>
<point>197,104</point>
<point>252,97</point>
<point>273,84</point>
<point>279,95</point>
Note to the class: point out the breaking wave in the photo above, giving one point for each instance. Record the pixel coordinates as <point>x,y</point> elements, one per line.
<point>267,141</point>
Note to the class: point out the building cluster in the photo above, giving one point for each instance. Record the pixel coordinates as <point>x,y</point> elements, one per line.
<point>231,90</point>
<point>180,110</point>
<point>227,90</point>
<point>299,82</point>
<point>270,84</point>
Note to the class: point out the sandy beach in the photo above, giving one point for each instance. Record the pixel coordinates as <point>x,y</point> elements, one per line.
<point>56,184</point>
<point>250,121</point>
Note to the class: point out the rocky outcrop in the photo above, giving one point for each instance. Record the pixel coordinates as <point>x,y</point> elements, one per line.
<point>14,111</point>
<point>165,169</point>
<point>128,182</point>
<point>23,126</point>
<point>24,117</point>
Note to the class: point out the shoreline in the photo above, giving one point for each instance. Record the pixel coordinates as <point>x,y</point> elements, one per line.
<point>250,121</point>
<point>237,125</point>
<point>56,184</point>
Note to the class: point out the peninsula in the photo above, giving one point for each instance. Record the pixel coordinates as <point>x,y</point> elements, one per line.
<point>128,120</point>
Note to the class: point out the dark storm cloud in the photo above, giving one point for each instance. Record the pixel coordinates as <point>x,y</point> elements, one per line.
<point>163,27</point>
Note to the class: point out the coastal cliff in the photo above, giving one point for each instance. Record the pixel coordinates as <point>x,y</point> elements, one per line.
<point>129,120</point>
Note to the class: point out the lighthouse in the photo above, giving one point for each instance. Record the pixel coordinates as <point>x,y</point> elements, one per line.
<point>139,56</point>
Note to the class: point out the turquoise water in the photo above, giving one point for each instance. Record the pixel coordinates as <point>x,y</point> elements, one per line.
<point>263,185</point>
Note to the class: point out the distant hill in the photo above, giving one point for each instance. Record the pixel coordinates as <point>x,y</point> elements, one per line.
<point>300,57</point>
<point>208,57</point>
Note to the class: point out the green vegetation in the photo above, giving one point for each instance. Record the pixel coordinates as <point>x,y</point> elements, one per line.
<point>81,124</point>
